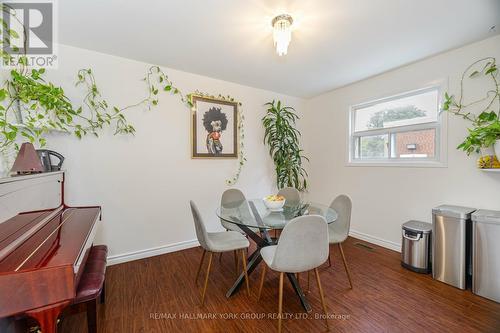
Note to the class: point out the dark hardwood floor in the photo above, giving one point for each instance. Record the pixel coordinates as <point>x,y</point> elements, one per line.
<point>158,295</point>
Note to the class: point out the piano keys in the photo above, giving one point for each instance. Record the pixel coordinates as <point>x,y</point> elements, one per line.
<point>44,245</point>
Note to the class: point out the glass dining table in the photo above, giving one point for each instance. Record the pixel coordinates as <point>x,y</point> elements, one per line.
<point>256,220</point>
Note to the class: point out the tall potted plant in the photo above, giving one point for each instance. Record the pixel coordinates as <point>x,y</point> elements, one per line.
<point>283,140</point>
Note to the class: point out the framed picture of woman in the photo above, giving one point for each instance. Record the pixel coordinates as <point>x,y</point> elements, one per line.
<point>214,128</point>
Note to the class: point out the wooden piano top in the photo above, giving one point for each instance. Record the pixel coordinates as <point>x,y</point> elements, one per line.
<point>43,249</point>
<point>57,238</point>
<point>42,255</point>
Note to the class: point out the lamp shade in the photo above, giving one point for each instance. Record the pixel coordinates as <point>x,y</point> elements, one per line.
<point>27,160</point>
<point>282,33</point>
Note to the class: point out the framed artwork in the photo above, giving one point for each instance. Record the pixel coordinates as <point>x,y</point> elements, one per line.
<point>214,128</point>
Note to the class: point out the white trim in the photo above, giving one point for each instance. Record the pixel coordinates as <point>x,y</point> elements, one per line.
<point>412,163</point>
<point>155,251</point>
<point>159,250</point>
<point>398,129</point>
<point>441,126</point>
<point>375,240</point>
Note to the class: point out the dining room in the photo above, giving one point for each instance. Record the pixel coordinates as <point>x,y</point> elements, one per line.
<point>249,166</point>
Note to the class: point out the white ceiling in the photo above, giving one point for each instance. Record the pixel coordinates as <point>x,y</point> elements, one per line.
<point>335,42</point>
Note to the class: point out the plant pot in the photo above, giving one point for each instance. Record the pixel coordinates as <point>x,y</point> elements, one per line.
<point>488,151</point>
<point>497,149</point>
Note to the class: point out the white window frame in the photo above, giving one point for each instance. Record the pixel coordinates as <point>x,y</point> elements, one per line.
<point>440,156</point>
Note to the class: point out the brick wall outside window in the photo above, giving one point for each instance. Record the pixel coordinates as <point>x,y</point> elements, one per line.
<point>424,140</point>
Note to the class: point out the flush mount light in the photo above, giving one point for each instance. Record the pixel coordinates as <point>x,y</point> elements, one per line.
<point>282,33</point>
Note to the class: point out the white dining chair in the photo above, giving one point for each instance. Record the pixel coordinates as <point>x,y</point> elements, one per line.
<point>214,242</point>
<point>291,194</point>
<point>234,199</point>
<point>303,246</point>
<point>339,230</point>
<point>231,198</point>
<point>292,198</point>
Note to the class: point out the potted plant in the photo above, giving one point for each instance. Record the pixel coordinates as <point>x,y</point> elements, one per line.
<point>283,140</point>
<point>484,133</point>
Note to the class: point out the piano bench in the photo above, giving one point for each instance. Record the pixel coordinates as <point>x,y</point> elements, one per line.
<point>92,284</point>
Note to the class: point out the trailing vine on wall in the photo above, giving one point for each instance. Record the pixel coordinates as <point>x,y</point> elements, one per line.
<point>31,107</point>
<point>485,129</point>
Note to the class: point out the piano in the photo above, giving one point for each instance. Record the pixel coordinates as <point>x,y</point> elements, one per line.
<point>44,246</point>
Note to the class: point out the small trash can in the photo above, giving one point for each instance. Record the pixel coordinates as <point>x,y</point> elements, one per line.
<point>416,246</point>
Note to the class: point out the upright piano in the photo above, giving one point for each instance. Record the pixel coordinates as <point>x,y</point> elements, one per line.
<point>44,246</point>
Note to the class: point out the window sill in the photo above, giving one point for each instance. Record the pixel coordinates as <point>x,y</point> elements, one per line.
<point>409,164</point>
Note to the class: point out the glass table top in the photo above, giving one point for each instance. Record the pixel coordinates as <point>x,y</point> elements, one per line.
<point>241,213</point>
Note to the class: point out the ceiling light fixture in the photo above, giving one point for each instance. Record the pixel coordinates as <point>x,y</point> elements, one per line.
<point>282,33</point>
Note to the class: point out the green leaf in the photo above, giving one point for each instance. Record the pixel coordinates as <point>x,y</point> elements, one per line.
<point>3,94</point>
<point>475,73</point>
<point>491,70</point>
<point>11,135</point>
<point>13,33</point>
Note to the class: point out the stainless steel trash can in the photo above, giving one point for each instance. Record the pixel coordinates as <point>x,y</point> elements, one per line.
<point>416,246</point>
<point>451,255</point>
<point>486,254</point>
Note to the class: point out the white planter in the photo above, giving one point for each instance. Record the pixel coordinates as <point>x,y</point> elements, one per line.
<point>497,148</point>
<point>489,151</point>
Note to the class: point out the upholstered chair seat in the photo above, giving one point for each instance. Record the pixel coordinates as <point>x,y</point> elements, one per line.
<point>226,241</point>
<point>303,246</point>
<point>217,242</point>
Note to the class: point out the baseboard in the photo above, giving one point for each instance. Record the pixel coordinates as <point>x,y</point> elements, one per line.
<point>375,240</point>
<point>155,251</point>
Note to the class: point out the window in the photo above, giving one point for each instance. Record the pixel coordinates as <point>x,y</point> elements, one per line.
<point>403,129</point>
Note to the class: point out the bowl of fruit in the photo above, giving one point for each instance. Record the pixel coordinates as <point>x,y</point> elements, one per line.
<point>274,202</point>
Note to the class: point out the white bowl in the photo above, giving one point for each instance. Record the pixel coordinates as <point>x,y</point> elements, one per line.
<point>274,205</point>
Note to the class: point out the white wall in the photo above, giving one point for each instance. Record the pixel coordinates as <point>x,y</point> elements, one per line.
<point>144,182</point>
<point>385,197</point>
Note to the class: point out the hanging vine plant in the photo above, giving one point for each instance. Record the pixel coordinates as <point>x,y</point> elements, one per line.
<point>31,107</point>
<point>44,107</point>
<point>485,129</point>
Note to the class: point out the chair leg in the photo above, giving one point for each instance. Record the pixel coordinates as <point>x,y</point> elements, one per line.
<point>92,316</point>
<point>345,265</point>
<point>199,267</point>
<point>322,297</point>
<point>330,256</point>
<point>236,263</point>
<point>206,278</point>
<point>220,256</point>
<point>262,276</point>
<point>280,301</point>
<point>244,259</point>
